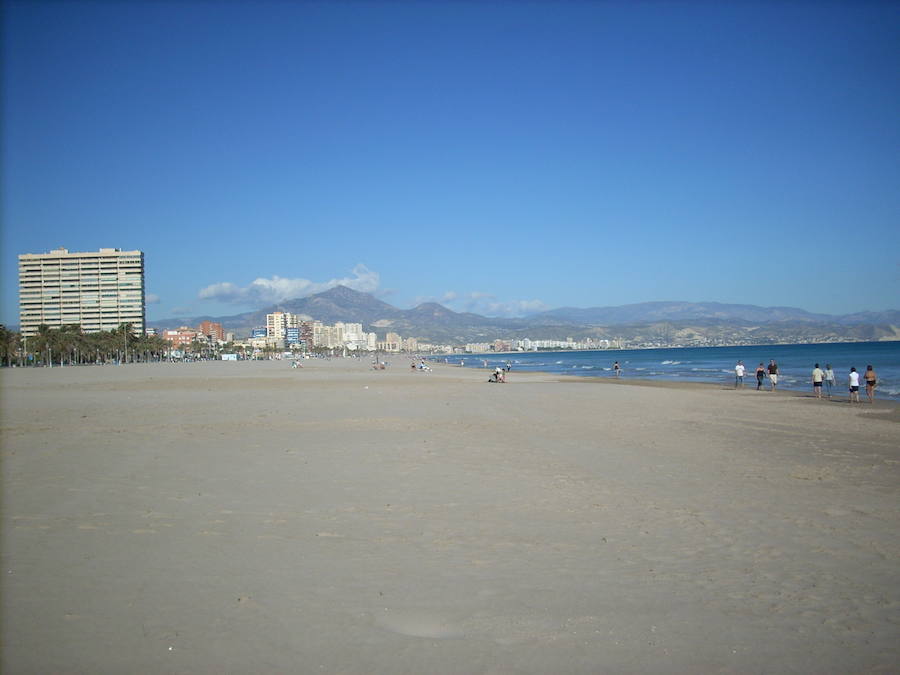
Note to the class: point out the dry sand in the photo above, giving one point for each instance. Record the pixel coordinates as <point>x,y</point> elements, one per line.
<point>251,518</point>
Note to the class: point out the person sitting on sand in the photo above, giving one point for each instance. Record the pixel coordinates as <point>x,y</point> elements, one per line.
<point>871,379</point>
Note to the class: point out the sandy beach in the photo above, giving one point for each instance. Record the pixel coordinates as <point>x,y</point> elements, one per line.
<point>252,518</point>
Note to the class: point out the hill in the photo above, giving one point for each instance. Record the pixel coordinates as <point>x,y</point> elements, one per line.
<point>662,323</point>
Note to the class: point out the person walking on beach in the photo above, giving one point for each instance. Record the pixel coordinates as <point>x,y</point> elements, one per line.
<point>829,379</point>
<point>818,376</point>
<point>739,375</point>
<point>854,385</point>
<point>871,379</point>
<point>773,373</point>
<point>760,376</point>
<point>617,368</point>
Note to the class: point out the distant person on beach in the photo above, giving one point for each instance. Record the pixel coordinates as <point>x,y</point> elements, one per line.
<point>773,373</point>
<point>739,375</point>
<point>871,379</point>
<point>760,376</point>
<point>617,368</point>
<point>829,379</point>
<point>818,376</point>
<point>508,366</point>
<point>854,385</point>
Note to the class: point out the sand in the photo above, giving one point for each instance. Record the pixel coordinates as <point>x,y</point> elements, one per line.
<point>250,518</point>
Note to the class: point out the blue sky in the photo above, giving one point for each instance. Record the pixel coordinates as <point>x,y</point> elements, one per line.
<point>497,157</point>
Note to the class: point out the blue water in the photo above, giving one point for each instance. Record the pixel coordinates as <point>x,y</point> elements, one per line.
<point>713,364</point>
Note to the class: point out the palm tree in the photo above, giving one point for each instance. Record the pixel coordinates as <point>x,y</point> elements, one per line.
<point>68,340</point>
<point>9,344</point>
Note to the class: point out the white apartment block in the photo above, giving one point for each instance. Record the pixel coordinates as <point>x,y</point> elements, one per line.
<point>277,324</point>
<point>98,291</point>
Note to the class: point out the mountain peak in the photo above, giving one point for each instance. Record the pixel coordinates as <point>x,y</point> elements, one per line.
<point>431,307</point>
<point>339,292</point>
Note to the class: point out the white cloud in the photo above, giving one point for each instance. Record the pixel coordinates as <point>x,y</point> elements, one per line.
<point>277,289</point>
<point>151,299</point>
<point>445,299</point>
<point>487,304</point>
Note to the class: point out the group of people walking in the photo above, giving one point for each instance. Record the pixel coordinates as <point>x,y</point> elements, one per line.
<point>820,378</point>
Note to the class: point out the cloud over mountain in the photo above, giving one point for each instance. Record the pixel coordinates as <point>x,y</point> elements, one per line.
<point>487,304</point>
<point>263,291</point>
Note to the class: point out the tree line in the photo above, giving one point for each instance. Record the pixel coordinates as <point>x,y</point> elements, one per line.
<point>69,345</point>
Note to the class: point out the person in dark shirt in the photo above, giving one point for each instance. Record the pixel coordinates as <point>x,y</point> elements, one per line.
<point>760,376</point>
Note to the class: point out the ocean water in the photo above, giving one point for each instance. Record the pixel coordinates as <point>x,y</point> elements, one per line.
<point>714,364</point>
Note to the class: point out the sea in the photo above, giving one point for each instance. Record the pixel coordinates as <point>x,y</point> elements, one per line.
<point>712,364</point>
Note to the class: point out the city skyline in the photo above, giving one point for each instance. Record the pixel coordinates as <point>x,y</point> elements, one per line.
<point>493,157</point>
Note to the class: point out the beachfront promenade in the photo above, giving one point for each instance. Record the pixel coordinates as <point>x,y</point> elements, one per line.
<point>253,518</point>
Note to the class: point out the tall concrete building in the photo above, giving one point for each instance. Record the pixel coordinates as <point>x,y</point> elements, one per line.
<point>212,329</point>
<point>277,324</point>
<point>98,291</point>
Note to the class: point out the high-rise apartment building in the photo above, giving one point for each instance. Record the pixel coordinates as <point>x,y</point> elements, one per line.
<point>212,329</point>
<point>277,324</point>
<point>98,291</point>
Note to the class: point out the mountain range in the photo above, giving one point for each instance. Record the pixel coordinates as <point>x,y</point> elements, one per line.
<point>646,322</point>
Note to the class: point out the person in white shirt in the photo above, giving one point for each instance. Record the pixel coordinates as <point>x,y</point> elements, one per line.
<point>739,375</point>
<point>829,379</point>
<point>854,385</point>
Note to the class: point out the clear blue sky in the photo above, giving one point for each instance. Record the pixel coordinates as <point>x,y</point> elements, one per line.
<point>499,157</point>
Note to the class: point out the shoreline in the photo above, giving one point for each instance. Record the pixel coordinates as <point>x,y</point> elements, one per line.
<point>640,349</point>
<point>890,404</point>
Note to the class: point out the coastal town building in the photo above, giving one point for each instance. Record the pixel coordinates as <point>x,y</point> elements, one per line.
<point>277,324</point>
<point>213,330</point>
<point>180,337</point>
<point>392,343</point>
<point>98,291</point>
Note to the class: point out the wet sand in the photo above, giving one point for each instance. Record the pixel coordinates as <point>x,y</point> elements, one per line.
<point>250,518</point>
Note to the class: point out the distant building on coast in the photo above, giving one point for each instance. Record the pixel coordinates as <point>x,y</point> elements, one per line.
<point>180,337</point>
<point>212,329</point>
<point>98,291</point>
<point>278,323</point>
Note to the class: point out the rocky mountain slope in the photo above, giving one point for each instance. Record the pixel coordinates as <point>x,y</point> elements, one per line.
<point>644,323</point>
